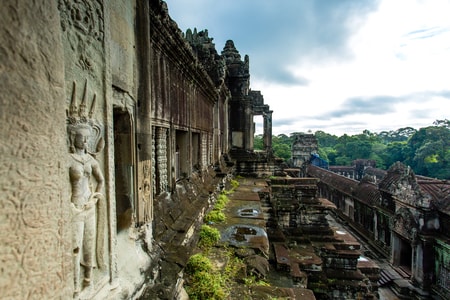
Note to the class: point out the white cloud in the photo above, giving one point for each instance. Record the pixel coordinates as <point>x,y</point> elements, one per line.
<point>398,50</point>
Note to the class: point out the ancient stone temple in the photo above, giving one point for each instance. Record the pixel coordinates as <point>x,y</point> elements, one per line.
<point>118,132</point>
<point>303,146</point>
<point>245,104</point>
<point>116,129</point>
<point>310,245</point>
<point>404,218</point>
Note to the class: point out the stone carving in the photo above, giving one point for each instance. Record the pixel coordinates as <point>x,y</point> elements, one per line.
<point>230,53</point>
<point>161,158</point>
<point>405,223</point>
<point>153,172</point>
<point>206,52</point>
<point>82,166</point>
<point>85,19</point>
<point>146,195</point>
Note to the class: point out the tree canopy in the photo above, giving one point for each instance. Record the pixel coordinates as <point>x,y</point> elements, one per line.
<point>426,150</point>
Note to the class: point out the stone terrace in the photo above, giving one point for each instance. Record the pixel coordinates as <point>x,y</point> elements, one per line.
<point>290,231</point>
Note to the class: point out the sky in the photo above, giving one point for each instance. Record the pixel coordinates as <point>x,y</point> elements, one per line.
<point>339,66</point>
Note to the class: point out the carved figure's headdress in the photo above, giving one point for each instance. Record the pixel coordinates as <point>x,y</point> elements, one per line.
<point>77,115</point>
<point>78,118</point>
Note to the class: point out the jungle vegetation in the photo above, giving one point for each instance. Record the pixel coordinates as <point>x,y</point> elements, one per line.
<point>425,150</point>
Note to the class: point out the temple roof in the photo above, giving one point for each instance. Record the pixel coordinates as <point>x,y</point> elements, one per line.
<point>438,191</point>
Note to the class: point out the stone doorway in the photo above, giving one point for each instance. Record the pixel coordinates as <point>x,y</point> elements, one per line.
<point>258,130</point>
<point>196,150</point>
<point>182,154</point>
<point>124,168</point>
<point>403,254</point>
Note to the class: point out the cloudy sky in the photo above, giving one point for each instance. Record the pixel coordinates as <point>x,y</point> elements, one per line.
<point>340,66</point>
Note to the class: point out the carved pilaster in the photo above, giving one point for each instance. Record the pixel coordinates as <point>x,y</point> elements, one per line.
<point>161,158</point>
<point>204,150</point>
<point>154,160</point>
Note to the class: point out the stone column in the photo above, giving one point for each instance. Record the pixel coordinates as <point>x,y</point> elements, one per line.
<point>143,112</point>
<point>204,144</point>
<point>247,127</point>
<point>267,137</point>
<point>161,158</point>
<point>154,190</point>
<point>35,236</point>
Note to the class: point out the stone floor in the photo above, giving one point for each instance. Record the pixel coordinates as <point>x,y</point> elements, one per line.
<point>385,293</point>
<point>246,227</point>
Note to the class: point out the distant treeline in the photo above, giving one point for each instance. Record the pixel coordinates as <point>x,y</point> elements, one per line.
<point>426,150</point>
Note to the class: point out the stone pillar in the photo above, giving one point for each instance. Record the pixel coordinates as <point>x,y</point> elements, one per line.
<point>143,123</point>
<point>161,158</point>
<point>267,137</point>
<point>248,130</point>
<point>154,190</point>
<point>35,236</point>
<point>211,148</point>
<point>204,149</point>
<point>225,139</point>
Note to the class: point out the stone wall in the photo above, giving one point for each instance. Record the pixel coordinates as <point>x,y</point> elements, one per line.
<point>401,218</point>
<point>309,240</point>
<point>69,68</point>
<point>35,248</point>
<point>303,146</point>
<point>108,114</point>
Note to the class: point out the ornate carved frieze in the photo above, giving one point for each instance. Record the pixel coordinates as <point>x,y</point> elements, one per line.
<point>405,224</point>
<point>205,51</point>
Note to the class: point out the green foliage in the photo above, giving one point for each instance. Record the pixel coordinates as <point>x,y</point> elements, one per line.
<point>426,150</point>
<point>209,236</point>
<point>214,216</point>
<point>343,161</point>
<point>258,143</point>
<point>442,123</point>
<point>234,184</point>
<point>399,135</point>
<point>198,263</point>
<point>325,139</point>
<point>221,201</point>
<point>206,285</point>
<point>252,281</point>
<point>234,265</point>
<point>329,154</point>
<point>281,146</point>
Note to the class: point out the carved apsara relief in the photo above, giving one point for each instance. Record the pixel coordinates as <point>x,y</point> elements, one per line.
<point>87,182</point>
<point>147,190</point>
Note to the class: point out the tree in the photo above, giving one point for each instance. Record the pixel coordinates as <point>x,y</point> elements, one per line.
<point>325,139</point>
<point>258,143</point>
<point>395,151</point>
<point>442,123</point>
<point>428,152</point>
